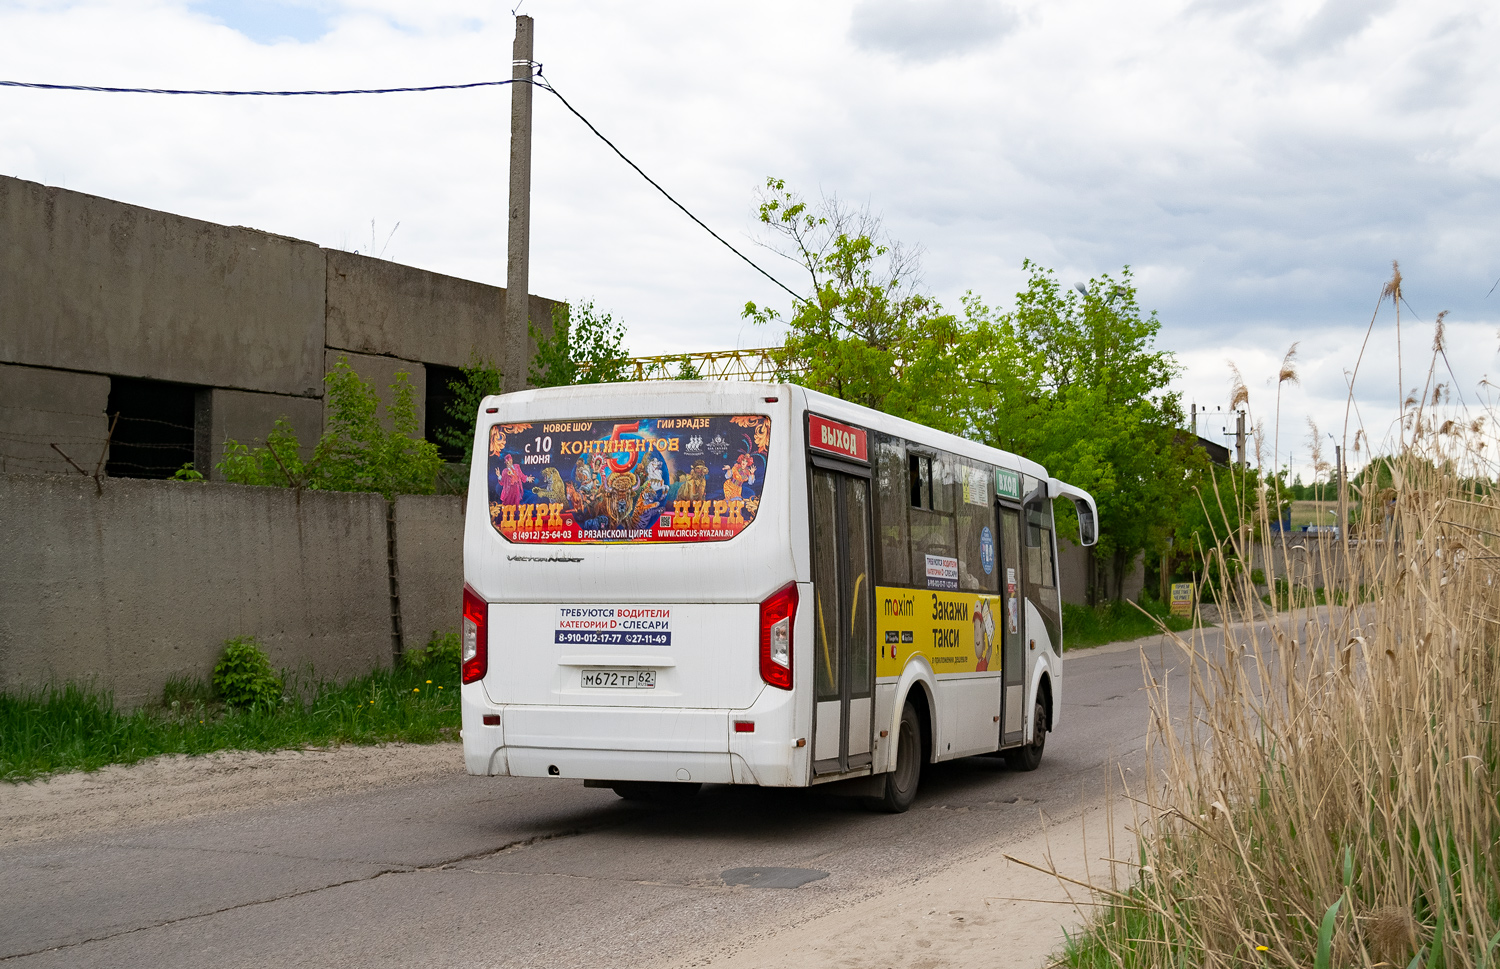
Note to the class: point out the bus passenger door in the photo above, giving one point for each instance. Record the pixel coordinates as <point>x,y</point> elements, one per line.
<point>843,618</point>
<point>1013,623</point>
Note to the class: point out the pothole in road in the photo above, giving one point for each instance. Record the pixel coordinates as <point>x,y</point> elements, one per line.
<point>771,877</point>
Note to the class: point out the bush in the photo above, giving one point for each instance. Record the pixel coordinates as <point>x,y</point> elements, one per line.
<point>244,677</point>
<point>442,651</point>
<point>356,453</point>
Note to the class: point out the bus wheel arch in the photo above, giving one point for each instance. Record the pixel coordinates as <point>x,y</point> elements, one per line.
<point>1044,694</point>
<point>921,701</point>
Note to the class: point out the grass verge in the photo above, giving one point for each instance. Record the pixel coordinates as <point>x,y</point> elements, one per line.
<point>75,728</point>
<point>1085,626</point>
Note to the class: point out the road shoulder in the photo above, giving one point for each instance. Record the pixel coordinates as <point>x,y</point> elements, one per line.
<point>976,914</point>
<point>175,788</point>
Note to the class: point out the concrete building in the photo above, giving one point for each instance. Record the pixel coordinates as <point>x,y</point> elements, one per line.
<point>135,341</point>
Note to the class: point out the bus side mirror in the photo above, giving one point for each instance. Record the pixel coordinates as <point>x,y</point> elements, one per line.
<point>1088,529</point>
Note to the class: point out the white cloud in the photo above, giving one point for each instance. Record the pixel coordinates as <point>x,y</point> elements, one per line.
<point>928,30</point>
<point>1259,163</point>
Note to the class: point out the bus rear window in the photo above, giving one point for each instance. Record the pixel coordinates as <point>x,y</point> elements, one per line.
<point>651,479</point>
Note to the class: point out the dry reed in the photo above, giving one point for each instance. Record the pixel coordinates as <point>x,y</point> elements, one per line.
<point>1324,790</point>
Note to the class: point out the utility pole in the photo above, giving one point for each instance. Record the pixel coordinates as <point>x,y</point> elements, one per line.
<point>1239,437</point>
<point>517,342</point>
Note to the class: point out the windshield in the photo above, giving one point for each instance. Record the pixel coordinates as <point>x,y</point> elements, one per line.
<point>634,480</point>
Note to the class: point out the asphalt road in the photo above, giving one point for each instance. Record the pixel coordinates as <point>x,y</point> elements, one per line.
<point>527,872</point>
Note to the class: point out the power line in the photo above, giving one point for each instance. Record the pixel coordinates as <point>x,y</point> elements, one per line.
<point>235,94</point>
<point>541,82</point>
<point>546,85</point>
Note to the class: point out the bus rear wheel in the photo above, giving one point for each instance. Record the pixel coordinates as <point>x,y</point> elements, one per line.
<point>658,792</point>
<point>1029,757</point>
<point>901,783</point>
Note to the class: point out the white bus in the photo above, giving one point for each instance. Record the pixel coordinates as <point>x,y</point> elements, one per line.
<point>684,582</point>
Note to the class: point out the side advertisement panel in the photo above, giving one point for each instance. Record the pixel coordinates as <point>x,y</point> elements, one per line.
<point>957,632</point>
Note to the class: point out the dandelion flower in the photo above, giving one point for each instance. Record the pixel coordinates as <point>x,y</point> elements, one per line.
<point>429,681</point>
<point>1262,948</point>
<point>416,689</point>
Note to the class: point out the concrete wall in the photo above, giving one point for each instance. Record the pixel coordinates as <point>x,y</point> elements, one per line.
<point>96,285</point>
<point>92,288</point>
<point>41,407</point>
<point>429,565</point>
<point>380,373</point>
<point>145,581</point>
<point>384,308</point>
<point>247,418</point>
<point>1074,566</point>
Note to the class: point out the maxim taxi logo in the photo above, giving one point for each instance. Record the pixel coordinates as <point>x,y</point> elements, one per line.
<point>899,606</point>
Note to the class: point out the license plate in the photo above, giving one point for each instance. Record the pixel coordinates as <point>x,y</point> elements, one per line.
<point>620,679</point>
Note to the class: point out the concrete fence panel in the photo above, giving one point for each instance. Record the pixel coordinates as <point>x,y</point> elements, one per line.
<point>429,565</point>
<point>130,583</point>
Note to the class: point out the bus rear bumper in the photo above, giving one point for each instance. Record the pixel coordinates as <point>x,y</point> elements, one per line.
<point>636,743</point>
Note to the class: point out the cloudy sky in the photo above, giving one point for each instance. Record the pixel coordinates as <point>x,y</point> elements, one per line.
<point>1258,162</point>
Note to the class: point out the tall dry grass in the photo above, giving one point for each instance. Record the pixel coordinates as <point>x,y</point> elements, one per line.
<point>1323,793</point>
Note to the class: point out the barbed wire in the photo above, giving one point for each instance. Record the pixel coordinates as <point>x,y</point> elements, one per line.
<point>92,415</point>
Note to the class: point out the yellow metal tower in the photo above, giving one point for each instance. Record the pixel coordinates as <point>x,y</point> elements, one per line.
<point>754,365</point>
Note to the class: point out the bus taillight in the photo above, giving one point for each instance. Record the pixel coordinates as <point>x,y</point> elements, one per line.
<point>476,661</point>
<point>776,616</point>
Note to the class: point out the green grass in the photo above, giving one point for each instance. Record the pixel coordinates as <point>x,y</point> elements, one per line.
<point>1085,626</point>
<point>76,728</point>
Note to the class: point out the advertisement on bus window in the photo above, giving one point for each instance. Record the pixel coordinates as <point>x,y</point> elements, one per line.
<point>649,479</point>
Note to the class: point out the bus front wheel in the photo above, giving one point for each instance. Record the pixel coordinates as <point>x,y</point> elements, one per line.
<point>1029,757</point>
<point>901,783</point>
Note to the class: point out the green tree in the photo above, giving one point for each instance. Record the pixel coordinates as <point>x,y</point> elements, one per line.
<point>865,331</point>
<point>355,453</point>
<point>1073,381</point>
<point>1076,382</point>
<point>586,347</point>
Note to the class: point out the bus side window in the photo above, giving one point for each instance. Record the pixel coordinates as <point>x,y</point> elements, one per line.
<point>932,524</point>
<point>944,484</point>
<point>919,473</point>
<point>1040,570</point>
<point>892,487</point>
<point>975,514</point>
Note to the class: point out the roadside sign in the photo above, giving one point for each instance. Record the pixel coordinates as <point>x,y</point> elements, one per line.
<point>1182,598</point>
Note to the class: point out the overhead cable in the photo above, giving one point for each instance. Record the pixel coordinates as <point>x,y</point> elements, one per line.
<point>238,94</point>
<point>540,82</point>
<point>546,85</point>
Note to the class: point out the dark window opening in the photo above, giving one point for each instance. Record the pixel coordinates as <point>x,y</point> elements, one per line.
<point>154,427</point>
<point>920,468</point>
<point>442,427</point>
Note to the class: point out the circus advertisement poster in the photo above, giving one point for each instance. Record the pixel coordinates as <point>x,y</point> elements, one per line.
<point>651,479</point>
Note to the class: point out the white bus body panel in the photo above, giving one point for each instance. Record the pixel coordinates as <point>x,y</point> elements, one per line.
<point>708,677</point>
